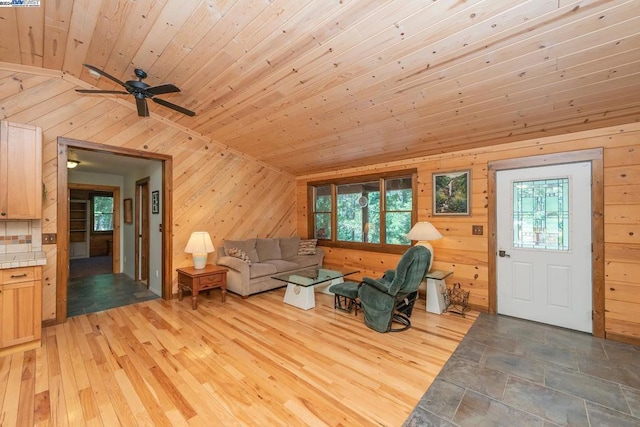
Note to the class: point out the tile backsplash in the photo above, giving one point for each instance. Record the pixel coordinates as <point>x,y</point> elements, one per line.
<point>20,236</point>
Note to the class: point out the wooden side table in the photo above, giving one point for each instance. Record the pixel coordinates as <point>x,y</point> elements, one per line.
<point>205,279</point>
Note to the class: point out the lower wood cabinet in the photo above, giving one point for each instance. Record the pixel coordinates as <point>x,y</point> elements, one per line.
<point>20,309</point>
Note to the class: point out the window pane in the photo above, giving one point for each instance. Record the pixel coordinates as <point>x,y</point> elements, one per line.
<point>358,212</point>
<point>399,194</point>
<point>322,212</point>
<point>398,225</point>
<point>399,203</point>
<point>322,226</point>
<point>323,199</point>
<point>541,214</point>
<point>103,213</point>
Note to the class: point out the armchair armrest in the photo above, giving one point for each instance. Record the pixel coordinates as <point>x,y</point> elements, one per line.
<point>381,285</point>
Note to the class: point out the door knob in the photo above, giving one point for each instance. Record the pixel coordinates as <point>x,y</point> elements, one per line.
<point>503,254</point>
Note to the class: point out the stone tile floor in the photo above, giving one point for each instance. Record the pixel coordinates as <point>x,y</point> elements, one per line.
<point>512,372</point>
<point>90,294</point>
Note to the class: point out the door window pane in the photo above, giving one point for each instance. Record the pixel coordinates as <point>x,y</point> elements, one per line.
<point>541,214</point>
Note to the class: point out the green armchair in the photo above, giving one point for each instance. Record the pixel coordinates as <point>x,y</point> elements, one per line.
<point>391,298</point>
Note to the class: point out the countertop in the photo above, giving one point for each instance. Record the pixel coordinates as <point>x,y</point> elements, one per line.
<point>22,259</point>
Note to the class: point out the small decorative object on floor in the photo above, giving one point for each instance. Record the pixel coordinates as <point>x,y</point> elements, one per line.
<point>456,299</point>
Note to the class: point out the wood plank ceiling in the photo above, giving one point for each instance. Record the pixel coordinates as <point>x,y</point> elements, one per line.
<point>312,86</point>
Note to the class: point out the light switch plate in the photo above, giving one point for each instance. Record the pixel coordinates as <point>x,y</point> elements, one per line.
<point>476,230</point>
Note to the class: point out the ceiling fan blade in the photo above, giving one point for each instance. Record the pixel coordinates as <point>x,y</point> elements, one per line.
<point>159,90</point>
<point>103,73</point>
<point>119,92</point>
<point>143,108</point>
<point>174,107</point>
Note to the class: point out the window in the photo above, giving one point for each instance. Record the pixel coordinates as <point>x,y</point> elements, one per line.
<point>102,212</point>
<point>367,212</point>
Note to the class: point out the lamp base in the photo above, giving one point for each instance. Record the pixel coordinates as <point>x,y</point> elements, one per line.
<point>200,261</point>
<point>427,245</point>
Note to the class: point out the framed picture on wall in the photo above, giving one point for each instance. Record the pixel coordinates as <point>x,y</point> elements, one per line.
<point>155,202</point>
<point>451,193</point>
<point>128,211</point>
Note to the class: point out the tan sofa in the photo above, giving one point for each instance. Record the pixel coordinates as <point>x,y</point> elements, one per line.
<point>267,257</point>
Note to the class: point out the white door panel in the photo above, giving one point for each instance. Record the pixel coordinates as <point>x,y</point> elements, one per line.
<point>544,237</point>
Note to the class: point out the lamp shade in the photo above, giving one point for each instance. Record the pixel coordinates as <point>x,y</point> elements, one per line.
<point>199,245</point>
<point>422,231</point>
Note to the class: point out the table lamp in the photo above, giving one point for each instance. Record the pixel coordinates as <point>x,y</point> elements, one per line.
<point>199,246</point>
<point>423,232</point>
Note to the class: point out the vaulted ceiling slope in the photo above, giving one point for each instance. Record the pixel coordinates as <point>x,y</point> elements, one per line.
<point>318,85</point>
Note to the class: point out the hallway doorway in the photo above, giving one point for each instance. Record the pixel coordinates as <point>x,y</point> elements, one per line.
<point>162,269</point>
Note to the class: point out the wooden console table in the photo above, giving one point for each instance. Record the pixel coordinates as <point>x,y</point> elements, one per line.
<point>204,279</point>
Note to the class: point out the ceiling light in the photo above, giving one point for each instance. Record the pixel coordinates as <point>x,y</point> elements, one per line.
<point>94,74</point>
<point>72,164</point>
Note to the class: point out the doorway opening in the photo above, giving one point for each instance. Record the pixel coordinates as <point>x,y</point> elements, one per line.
<point>595,158</point>
<point>115,244</point>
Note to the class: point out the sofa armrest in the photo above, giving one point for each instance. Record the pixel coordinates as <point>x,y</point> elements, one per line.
<point>234,263</point>
<point>238,275</point>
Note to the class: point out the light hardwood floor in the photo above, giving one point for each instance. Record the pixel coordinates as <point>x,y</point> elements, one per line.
<point>244,362</point>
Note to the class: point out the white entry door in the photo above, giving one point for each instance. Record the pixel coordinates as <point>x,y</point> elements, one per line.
<point>544,244</point>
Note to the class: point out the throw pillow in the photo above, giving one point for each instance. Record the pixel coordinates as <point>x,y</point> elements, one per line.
<point>239,253</point>
<point>248,246</point>
<point>307,247</point>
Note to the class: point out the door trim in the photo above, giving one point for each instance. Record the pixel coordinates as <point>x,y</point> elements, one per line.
<point>62,247</point>
<point>595,156</point>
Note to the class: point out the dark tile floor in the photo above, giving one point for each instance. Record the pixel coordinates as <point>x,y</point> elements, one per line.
<point>97,292</point>
<point>512,372</point>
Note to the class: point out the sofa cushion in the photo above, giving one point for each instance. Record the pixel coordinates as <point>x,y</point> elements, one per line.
<point>268,249</point>
<point>307,247</point>
<point>289,246</point>
<point>247,246</point>
<point>259,269</point>
<point>282,265</point>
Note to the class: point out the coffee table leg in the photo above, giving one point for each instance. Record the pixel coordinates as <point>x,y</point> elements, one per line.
<point>300,296</point>
<point>179,292</point>
<point>224,294</point>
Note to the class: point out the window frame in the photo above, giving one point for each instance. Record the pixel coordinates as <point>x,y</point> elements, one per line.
<point>92,197</point>
<point>381,178</point>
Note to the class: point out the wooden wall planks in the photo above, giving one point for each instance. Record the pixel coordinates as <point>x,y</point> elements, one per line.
<point>467,255</point>
<point>215,189</point>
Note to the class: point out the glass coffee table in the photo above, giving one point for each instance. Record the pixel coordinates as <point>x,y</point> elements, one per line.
<point>301,284</point>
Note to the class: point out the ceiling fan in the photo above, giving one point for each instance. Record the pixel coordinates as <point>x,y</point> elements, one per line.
<point>141,91</point>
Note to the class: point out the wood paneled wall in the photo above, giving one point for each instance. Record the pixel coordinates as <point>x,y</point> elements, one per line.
<point>215,189</point>
<point>467,255</point>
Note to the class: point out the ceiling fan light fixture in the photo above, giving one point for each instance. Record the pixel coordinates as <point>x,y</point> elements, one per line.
<point>72,164</point>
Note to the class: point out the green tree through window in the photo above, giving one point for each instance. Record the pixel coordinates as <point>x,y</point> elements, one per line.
<point>102,213</point>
